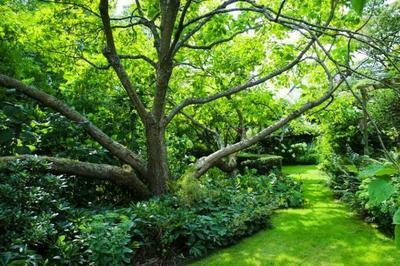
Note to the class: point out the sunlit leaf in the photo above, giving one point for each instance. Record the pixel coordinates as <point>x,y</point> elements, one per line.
<point>380,190</point>
<point>358,5</point>
<point>378,170</point>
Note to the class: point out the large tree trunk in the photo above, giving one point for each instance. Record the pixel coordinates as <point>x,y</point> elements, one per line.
<point>157,161</point>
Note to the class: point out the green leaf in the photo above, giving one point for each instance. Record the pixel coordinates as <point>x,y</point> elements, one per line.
<point>380,190</point>
<point>358,5</point>
<point>377,170</point>
<point>351,168</point>
<point>396,217</point>
<point>5,258</point>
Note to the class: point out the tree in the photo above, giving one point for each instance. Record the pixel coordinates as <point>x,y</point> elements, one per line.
<point>183,34</point>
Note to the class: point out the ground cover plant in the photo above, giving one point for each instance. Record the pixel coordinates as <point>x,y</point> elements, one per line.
<point>42,224</point>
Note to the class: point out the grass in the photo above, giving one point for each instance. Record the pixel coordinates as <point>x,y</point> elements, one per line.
<point>324,232</point>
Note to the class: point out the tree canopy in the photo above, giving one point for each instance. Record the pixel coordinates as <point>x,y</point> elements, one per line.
<point>151,82</point>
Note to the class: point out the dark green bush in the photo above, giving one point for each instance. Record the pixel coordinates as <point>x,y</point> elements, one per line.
<point>31,209</point>
<point>41,225</point>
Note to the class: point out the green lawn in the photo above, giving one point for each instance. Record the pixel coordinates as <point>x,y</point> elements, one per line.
<point>323,233</point>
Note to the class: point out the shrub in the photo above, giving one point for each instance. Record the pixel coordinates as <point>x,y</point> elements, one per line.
<point>107,238</point>
<point>40,225</point>
<point>31,209</point>
<point>353,184</point>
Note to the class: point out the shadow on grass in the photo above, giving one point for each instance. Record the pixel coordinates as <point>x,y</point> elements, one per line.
<point>323,233</point>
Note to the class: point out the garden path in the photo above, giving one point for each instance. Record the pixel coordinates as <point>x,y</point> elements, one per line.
<point>324,232</point>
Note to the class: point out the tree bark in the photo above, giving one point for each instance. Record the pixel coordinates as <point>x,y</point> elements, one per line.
<point>169,10</point>
<point>117,175</point>
<point>364,97</point>
<point>157,161</point>
<point>227,166</point>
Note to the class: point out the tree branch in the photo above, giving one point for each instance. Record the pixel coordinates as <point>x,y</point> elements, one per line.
<point>169,12</point>
<point>280,10</point>
<point>142,57</point>
<point>111,54</point>
<point>217,136</point>
<point>142,21</point>
<point>180,24</point>
<point>205,163</point>
<point>203,20</point>
<point>211,45</point>
<point>239,88</point>
<point>93,171</point>
<point>115,148</point>
<point>106,67</point>
<point>86,8</point>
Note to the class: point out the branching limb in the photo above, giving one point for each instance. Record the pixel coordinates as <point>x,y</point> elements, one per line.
<point>105,67</point>
<point>141,57</point>
<point>203,19</point>
<point>280,10</point>
<point>111,54</point>
<point>115,148</point>
<point>169,11</point>
<point>83,7</point>
<point>239,88</point>
<point>94,171</point>
<point>142,21</point>
<point>180,24</point>
<point>211,45</point>
<point>216,135</point>
<point>205,163</point>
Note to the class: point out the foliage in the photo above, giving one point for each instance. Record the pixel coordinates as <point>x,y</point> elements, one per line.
<point>107,238</point>
<point>298,153</point>
<point>33,209</point>
<point>371,187</point>
<point>59,48</point>
<point>129,91</point>
<point>358,5</point>
<point>190,189</point>
<point>310,236</point>
<point>295,143</point>
<point>40,222</point>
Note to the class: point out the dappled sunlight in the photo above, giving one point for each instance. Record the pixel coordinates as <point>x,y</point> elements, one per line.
<point>323,233</point>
